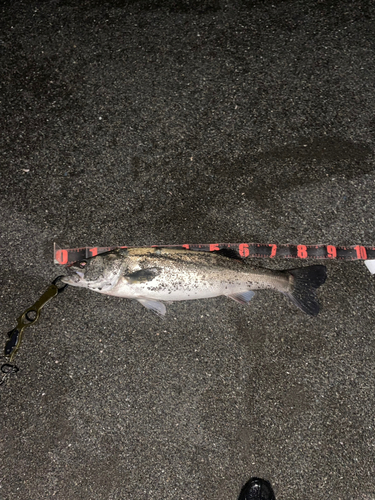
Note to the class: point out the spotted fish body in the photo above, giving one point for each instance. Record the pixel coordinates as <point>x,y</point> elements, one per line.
<point>151,275</point>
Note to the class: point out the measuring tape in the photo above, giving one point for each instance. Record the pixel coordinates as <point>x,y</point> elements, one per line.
<point>66,256</point>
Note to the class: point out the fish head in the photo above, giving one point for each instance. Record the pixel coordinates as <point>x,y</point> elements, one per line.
<point>99,273</point>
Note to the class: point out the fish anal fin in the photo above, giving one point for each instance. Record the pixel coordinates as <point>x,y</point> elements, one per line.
<point>242,297</point>
<point>154,305</point>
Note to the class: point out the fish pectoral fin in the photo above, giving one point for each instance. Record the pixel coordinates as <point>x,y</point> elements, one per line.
<point>243,297</point>
<point>142,276</point>
<point>156,306</point>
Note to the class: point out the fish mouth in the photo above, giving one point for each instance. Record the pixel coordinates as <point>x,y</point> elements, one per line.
<point>73,277</point>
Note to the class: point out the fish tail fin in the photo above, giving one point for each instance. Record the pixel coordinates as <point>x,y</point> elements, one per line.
<point>306,281</point>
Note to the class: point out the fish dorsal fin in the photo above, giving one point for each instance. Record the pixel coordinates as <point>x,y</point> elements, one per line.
<point>230,253</point>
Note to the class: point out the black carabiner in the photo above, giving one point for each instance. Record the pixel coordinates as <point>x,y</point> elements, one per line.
<point>7,369</point>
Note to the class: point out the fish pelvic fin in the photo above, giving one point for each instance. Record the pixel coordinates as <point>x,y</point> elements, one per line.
<point>306,281</point>
<point>154,305</point>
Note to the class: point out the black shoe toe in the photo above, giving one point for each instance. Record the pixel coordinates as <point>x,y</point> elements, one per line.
<point>257,489</point>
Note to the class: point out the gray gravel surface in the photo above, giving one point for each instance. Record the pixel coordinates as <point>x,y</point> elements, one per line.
<point>151,122</point>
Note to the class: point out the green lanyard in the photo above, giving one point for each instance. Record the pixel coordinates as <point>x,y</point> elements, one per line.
<point>27,318</point>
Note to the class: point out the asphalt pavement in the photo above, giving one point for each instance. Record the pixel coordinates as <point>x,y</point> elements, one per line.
<point>166,122</point>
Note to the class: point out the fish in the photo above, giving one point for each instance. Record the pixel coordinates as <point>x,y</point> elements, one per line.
<point>156,275</point>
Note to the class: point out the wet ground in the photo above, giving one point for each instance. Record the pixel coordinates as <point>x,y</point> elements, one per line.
<point>151,122</point>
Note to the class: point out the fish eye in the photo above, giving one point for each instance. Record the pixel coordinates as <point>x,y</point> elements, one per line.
<point>82,264</point>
